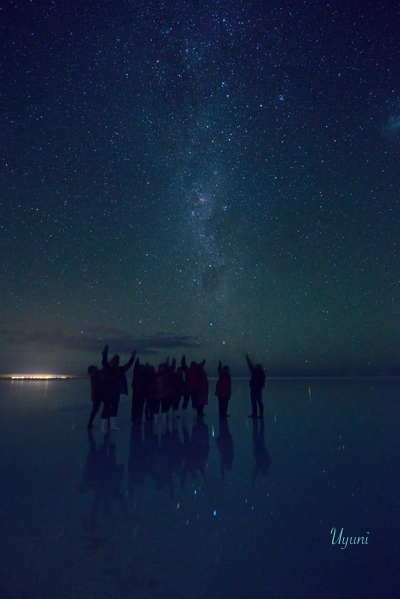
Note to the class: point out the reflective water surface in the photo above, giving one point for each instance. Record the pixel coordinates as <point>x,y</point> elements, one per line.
<point>202,509</point>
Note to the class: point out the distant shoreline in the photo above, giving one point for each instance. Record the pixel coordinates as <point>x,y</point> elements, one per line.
<point>356,377</point>
<point>41,377</point>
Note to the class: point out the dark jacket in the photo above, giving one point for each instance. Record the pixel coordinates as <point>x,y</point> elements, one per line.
<point>257,381</point>
<point>96,386</point>
<point>140,380</point>
<point>192,376</point>
<point>118,374</point>
<point>223,388</point>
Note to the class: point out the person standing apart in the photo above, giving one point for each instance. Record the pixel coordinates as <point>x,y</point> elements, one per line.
<point>257,384</point>
<point>223,389</point>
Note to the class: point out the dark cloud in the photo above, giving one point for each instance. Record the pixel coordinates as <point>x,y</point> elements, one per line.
<point>93,339</point>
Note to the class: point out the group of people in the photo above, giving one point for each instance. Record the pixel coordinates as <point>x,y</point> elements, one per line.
<point>155,392</point>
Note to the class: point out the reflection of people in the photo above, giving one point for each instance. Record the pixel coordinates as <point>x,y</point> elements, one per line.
<point>150,459</point>
<point>103,476</point>
<point>138,463</point>
<point>225,447</point>
<point>257,383</point>
<point>223,389</point>
<point>260,452</point>
<point>195,451</point>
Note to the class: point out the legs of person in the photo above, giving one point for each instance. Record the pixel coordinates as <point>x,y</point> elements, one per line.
<point>137,408</point>
<point>170,402</point>
<point>220,407</point>
<point>133,409</point>
<point>260,404</point>
<point>201,400</point>
<point>114,404</point>
<point>105,416</point>
<point>156,406</point>
<point>95,409</point>
<point>165,405</point>
<point>194,397</point>
<point>114,410</point>
<point>253,397</point>
<point>223,407</point>
<point>140,407</point>
<point>148,410</point>
<point>175,405</point>
<point>186,398</point>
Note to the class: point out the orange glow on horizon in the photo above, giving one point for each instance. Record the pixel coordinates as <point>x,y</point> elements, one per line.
<point>38,377</point>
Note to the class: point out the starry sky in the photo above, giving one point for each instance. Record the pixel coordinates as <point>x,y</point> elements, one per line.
<point>208,178</point>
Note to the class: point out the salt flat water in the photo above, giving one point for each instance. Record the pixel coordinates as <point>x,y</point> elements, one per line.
<point>214,509</point>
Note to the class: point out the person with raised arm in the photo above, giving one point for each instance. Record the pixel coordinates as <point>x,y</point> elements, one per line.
<point>119,384</point>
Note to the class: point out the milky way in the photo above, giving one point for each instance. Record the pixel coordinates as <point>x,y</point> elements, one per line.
<point>213,179</point>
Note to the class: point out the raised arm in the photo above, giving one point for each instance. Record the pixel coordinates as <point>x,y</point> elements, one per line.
<point>104,361</point>
<point>183,363</point>
<point>131,361</point>
<point>250,364</point>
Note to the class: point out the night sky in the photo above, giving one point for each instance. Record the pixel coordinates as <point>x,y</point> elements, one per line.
<point>201,177</point>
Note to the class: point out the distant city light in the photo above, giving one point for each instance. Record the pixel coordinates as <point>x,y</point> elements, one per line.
<point>39,376</point>
<point>35,377</point>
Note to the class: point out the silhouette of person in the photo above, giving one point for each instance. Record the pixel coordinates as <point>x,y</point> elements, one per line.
<point>257,383</point>
<point>96,392</point>
<point>223,389</point>
<point>167,399</point>
<point>119,384</point>
<point>202,386</point>
<point>103,476</point>
<point>151,390</point>
<point>161,386</point>
<point>139,391</point>
<point>191,383</point>
<point>177,389</point>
